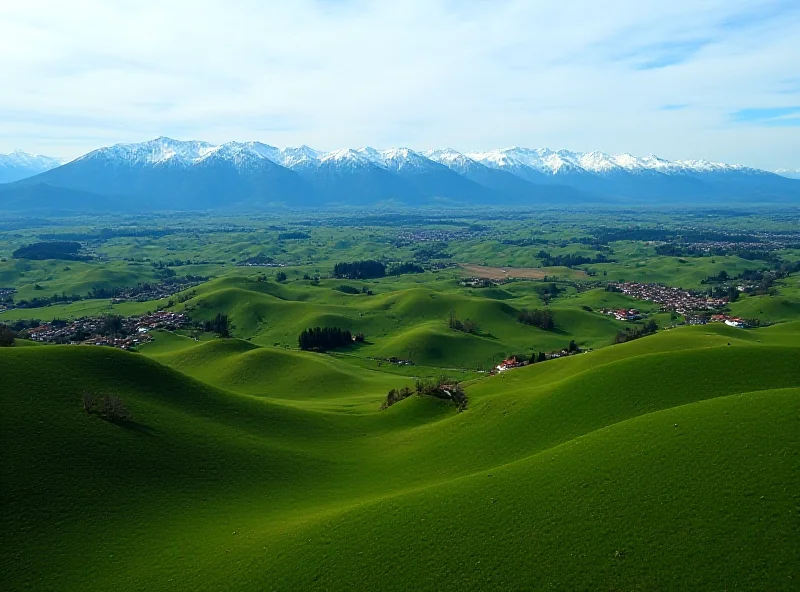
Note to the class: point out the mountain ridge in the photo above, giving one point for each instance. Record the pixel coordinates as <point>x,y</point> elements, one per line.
<point>164,173</point>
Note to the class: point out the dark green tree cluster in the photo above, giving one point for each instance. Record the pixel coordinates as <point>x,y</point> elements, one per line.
<point>324,338</point>
<point>570,259</point>
<point>360,270</point>
<point>729,292</point>
<point>403,268</point>
<point>293,235</point>
<point>219,325</point>
<point>537,318</point>
<point>648,328</point>
<point>457,324</point>
<point>67,250</point>
<point>540,357</point>
<point>45,301</point>
<point>345,289</point>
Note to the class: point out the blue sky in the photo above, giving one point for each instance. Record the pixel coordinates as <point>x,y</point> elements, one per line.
<point>713,79</point>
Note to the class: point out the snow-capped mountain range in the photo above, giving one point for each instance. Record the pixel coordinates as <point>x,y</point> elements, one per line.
<point>171,174</point>
<point>20,165</point>
<point>552,162</point>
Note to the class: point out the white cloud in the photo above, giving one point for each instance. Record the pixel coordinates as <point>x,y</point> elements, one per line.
<point>422,73</point>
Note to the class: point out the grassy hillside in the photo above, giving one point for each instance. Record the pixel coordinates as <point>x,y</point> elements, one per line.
<point>670,462</point>
<point>405,322</point>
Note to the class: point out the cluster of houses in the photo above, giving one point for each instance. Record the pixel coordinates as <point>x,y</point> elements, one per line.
<point>435,235</point>
<point>676,299</point>
<point>477,282</point>
<point>718,318</point>
<point>145,292</point>
<point>730,321</point>
<point>514,362</point>
<point>508,364</point>
<point>624,314</point>
<point>133,331</point>
<point>5,295</point>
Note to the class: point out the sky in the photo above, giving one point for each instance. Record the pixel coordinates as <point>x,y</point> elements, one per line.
<point>684,79</point>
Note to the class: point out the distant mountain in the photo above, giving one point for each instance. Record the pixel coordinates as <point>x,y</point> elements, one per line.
<point>166,174</point>
<point>789,173</point>
<point>21,165</point>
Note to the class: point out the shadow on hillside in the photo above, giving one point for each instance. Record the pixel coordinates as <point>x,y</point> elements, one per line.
<point>140,428</point>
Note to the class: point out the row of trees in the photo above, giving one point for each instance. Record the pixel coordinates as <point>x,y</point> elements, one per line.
<point>403,268</point>
<point>570,259</point>
<point>325,338</point>
<point>535,358</point>
<point>441,389</point>
<point>537,318</point>
<point>360,270</point>
<point>629,334</point>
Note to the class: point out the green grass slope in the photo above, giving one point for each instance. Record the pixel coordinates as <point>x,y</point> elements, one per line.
<point>670,462</point>
<point>300,377</point>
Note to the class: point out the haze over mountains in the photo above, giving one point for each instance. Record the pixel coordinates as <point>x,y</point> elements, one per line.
<point>166,174</point>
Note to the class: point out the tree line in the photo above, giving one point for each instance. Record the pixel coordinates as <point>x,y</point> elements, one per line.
<point>570,259</point>
<point>360,270</point>
<point>629,334</point>
<point>324,338</point>
<point>403,268</point>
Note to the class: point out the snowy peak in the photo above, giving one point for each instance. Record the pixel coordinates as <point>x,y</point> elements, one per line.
<point>161,151</point>
<point>20,165</point>
<point>18,158</point>
<point>349,158</point>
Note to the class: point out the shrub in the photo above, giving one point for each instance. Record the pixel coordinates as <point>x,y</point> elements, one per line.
<point>114,410</point>
<point>347,289</point>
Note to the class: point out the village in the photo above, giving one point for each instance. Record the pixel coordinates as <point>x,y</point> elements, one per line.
<point>145,292</point>
<point>670,299</point>
<point>123,333</point>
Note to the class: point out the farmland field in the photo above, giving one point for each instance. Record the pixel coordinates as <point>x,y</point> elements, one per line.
<point>625,443</point>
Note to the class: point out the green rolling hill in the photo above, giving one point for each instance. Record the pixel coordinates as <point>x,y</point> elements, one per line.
<point>670,462</point>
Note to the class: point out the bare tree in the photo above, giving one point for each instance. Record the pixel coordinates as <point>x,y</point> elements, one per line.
<point>89,401</point>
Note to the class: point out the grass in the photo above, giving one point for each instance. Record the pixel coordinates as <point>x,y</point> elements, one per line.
<point>608,470</point>
<point>669,462</point>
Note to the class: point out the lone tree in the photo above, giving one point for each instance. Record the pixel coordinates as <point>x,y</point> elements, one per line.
<point>6,336</point>
<point>88,400</point>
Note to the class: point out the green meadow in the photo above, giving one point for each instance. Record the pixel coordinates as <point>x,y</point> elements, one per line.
<point>668,462</point>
